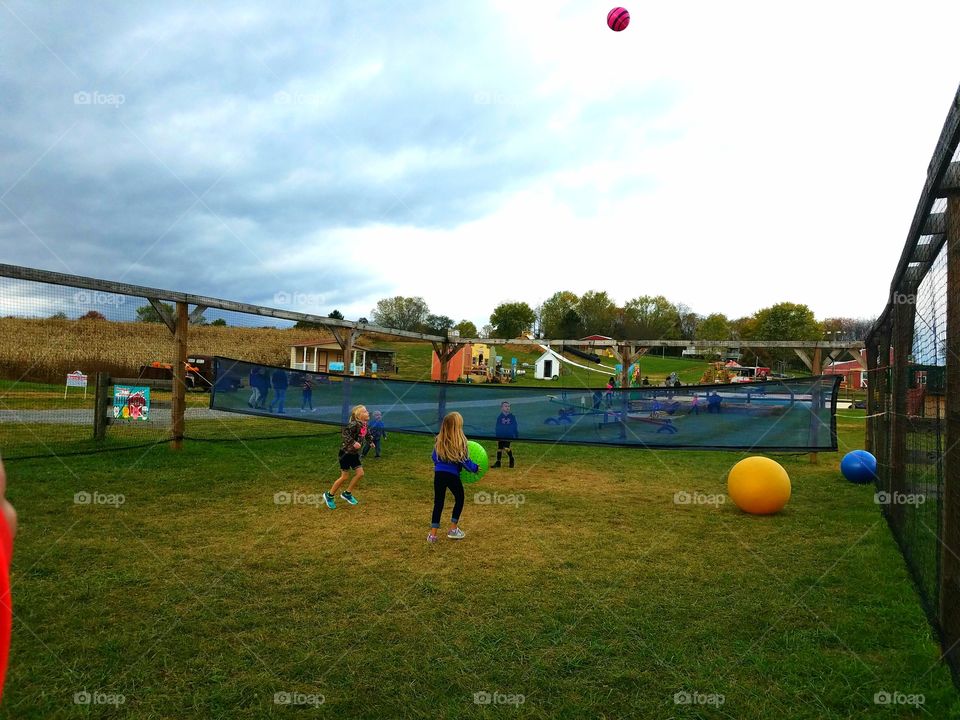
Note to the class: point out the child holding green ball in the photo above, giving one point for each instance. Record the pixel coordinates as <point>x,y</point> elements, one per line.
<point>450,455</point>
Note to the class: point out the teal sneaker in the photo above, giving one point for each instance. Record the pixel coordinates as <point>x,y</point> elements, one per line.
<point>349,497</point>
<point>328,499</point>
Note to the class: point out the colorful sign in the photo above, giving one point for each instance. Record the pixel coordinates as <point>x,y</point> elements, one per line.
<point>131,402</point>
<point>76,379</point>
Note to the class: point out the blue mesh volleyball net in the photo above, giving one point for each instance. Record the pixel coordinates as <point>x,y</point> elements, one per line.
<point>784,415</point>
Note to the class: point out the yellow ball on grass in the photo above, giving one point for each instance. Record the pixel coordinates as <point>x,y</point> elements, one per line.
<point>759,485</point>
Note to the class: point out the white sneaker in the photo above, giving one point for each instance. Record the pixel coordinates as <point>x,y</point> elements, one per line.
<point>456,534</point>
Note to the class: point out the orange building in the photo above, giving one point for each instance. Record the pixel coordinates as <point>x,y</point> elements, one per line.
<point>470,359</point>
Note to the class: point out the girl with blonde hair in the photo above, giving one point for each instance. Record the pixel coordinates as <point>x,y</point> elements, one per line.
<point>352,439</point>
<point>449,457</point>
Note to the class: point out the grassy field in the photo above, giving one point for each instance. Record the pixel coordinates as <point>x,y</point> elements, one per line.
<point>582,589</point>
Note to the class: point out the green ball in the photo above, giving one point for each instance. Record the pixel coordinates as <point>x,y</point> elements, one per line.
<point>479,456</point>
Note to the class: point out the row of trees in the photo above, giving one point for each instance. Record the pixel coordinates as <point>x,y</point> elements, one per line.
<point>566,315</point>
<point>648,317</point>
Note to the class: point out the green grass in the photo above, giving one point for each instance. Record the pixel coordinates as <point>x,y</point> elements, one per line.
<point>598,596</point>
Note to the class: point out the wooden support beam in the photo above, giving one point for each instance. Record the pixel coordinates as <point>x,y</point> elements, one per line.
<point>950,554</point>
<point>346,338</point>
<point>870,431</point>
<point>164,314</point>
<point>197,314</point>
<point>101,401</point>
<point>109,286</point>
<point>860,357</point>
<point>816,367</point>
<point>884,406</point>
<point>445,351</point>
<point>802,354</point>
<point>179,376</point>
<point>903,325</point>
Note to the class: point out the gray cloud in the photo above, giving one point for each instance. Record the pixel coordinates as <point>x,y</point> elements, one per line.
<point>196,147</point>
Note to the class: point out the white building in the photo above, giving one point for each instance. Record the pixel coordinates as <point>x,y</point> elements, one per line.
<point>547,367</point>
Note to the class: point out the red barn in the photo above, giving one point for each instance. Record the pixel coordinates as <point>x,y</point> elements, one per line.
<point>853,372</point>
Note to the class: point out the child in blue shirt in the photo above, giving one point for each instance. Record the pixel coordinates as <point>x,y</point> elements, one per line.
<point>375,433</point>
<point>506,429</point>
<point>449,457</point>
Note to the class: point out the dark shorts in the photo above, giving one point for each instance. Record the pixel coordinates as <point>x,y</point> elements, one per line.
<point>349,461</point>
<point>503,444</point>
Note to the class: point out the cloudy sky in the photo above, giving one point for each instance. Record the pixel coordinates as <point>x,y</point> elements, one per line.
<point>326,155</point>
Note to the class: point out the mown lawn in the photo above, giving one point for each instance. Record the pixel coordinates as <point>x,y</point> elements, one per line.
<point>582,589</point>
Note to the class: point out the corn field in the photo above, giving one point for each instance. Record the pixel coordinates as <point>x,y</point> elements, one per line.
<point>45,350</point>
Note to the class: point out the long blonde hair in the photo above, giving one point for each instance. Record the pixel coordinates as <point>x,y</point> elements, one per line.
<point>355,413</point>
<point>451,443</point>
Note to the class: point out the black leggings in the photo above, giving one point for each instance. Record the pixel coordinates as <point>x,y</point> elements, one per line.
<point>443,481</point>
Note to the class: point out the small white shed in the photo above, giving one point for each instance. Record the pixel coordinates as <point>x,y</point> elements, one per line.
<point>547,367</point>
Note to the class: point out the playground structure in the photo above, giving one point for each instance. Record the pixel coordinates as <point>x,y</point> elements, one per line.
<point>472,362</point>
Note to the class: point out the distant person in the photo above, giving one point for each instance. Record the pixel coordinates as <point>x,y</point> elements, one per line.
<point>306,394</point>
<point>254,380</point>
<point>376,432</point>
<point>713,402</point>
<point>280,384</point>
<point>646,381</point>
<point>351,440</point>
<point>676,383</point>
<point>694,405</point>
<point>506,430</point>
<point>8,531</point>
<point>450,455</point>
<point>263,387</point>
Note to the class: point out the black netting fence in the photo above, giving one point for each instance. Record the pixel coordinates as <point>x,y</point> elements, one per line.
<point>913,373</point>
<point>788,415</point>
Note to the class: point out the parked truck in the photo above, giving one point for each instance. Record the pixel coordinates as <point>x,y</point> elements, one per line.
<point>199,375</point>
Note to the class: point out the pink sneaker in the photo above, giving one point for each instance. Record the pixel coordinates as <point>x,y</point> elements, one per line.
<point>431,538</point>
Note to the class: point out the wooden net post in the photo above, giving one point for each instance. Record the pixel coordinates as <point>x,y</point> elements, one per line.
<point>179,375</point>
<point>816,367</point>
